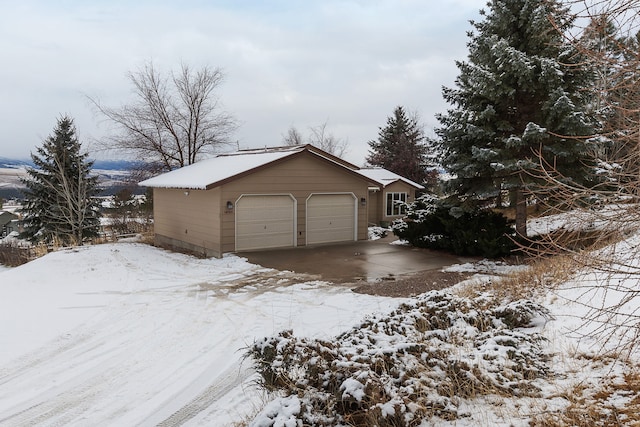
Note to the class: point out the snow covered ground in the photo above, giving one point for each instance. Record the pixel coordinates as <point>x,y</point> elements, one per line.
<point>128,334</point>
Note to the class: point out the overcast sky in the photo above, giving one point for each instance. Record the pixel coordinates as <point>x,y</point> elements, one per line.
<point>286,62</point>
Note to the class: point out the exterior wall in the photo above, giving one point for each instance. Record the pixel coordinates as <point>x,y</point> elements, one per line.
<point>14,225</point>
<point>7,217</point>
<point>374,207</point>
<point>8,223</point>
<point>396,187</point>
<point>188,219</point>
<point>299,176</point>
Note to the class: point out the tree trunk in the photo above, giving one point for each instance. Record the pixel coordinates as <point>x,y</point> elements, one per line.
<point>499,199</point>
<point>521,213</point>
<point>512,198</point>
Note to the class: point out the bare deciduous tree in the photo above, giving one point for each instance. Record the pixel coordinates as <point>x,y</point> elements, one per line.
<point>610,41</point>
<point>175,118</point>
<point>319,137</point>
<point>293,137</point>
<point>605,214</point>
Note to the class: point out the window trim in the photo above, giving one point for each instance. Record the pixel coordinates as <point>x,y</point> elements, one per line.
<point>394,209</point>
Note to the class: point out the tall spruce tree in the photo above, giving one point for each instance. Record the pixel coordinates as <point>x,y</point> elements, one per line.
<point>401,147</point>
<point>60,204</point>
<point>517,105</point>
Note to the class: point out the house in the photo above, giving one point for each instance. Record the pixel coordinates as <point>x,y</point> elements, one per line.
<point>260,199</point>
<point>8,223</point>
<point>387,198</point>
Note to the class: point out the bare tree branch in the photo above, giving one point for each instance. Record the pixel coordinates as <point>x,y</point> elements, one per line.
<point>319,137</point>
<point>293,137</point>
<point>174,120</point>
<point>605,214</point>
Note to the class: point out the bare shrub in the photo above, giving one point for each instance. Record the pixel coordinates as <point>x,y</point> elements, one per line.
<point>416,363</point>
<point>13,254</point>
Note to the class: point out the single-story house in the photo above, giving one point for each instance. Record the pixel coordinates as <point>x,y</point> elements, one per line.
<point>260,199</point>
<point>8,223</point>
<point>387,200</point>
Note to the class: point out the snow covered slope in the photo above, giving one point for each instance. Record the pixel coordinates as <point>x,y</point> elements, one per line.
<point>127,334</point>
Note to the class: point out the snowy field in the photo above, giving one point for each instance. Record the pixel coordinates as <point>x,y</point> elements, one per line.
<point>128,334</point>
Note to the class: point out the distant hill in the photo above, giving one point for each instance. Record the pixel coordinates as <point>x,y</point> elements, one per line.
<point>14,163</point>
<point>113,176</point>
<point>116,165</point>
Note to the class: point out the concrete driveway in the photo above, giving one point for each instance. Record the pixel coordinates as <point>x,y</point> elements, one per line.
<point>369,261</point>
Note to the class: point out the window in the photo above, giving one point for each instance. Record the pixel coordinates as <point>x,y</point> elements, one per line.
<point>396,204</point>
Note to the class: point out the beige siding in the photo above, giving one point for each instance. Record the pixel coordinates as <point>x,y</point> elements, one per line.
<point>188,219</point>
<point>298,176</point>
<point>374,207</point>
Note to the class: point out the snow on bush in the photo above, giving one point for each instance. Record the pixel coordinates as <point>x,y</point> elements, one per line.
<point>376,233</point>
<point>280,412</point>
<point>417,362</point>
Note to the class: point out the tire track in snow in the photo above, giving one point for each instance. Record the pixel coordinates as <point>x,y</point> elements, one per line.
<point>120,367</point>
<point>63,408</point>
<point>226,381</point>
<point>78,387</point>
<point>64,400</point>
<point>41,355</point>
<point>67,383</point>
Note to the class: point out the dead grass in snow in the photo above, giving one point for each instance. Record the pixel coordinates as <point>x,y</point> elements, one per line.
<point>541,276</point>
<point>615,403</point>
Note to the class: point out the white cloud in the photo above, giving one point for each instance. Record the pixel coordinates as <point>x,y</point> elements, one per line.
<point>286,62</point>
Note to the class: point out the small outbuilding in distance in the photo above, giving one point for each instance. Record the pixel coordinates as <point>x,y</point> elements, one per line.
<point>271,198</point>
<point>9,222</point>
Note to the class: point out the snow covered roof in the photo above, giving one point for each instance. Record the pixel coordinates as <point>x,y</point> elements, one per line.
<point>385,177</point>
<point>206,173</point>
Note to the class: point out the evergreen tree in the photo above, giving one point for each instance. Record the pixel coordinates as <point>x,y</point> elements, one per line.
<point>401,147</point>
<point>517,105</point>
<point>146,205</point>
<point>123,204</point>
<point>60,204</point>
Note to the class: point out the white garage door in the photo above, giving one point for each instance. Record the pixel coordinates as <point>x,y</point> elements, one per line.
<point>265,222</point>
<point>331,218</point>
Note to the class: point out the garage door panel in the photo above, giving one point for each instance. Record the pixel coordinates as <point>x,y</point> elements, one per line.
<point>330,222</point>
<point>330,218</point>
<point>271,227</point>
<point>264,222</point>
<point>248,214</point>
